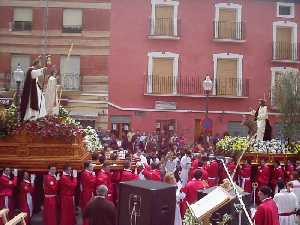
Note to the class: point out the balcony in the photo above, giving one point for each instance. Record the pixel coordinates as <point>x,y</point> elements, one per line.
<point>164,28</point>
<point>229,31</point>
<point>286,52</point>
<point>71,81</point>
<point>72,29</point>
<point>22,26</point>
<point>191,86</point>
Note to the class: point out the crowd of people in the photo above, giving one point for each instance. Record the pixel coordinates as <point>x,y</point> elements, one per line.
<point>157,157</point>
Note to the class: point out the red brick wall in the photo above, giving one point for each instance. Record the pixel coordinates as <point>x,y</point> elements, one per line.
<point>6,16</point>
<point>4,62</point>
<point>96,19</point>
<point>55,16</point>
<point>94,65</point>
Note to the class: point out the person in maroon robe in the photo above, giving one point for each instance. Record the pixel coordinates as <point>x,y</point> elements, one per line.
<point>263,174</point>
<point>277,175</point>
<point>7,186</point>
<point>127,174</point>
<point>267,212</point>
<point>213,172</point>
<point>290,169</point>
<point>104,176</point>
<point>100,211</point>
<point>153,173</point>
<point>67,186</point>
<point>25,195</point>
<point>87,183</point>
<point>202,169</point>
<point>50,215</point>
<point>245,176</point>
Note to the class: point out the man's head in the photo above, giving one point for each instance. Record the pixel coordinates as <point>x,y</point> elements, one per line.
<point>198,174</point>
<point>127,164</point>
<point>264,192</point>
<point>106,167</point>
<point>88,165</point>
<point>26,176</point>
<point>7,171</point>
<point>52,169</point>
<point>67,169</point>
<point>262,102</point>
<point>102,191</point>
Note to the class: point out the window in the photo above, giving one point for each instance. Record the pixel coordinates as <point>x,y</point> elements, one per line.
<point>22,19</point>
<point>164,22</point>
<point>235,128</point>
<point>227,24</point>
<point>285,44</point>
<point>72,20</point>
<point>24,61</point>
<point>285,10</point>
<point>227,74</point>
<point>277,74</point>
<point>70,72</point>
<point>162,73</point>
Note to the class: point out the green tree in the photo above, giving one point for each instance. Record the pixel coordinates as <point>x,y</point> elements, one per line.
<point>287,102</point>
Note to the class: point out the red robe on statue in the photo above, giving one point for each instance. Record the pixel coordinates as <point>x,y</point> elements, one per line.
<point>50,200</point>
<point>87,182</point>
<point>105,178</point>
<point>245,178</point>
<point>213,173</point>
<point>67,186</point>
<point>267,213</point>
<point>6,192</point>
<point>25,199</point>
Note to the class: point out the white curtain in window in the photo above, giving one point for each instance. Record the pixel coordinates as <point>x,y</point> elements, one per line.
<point>72,17</point>
<point>22,14</point>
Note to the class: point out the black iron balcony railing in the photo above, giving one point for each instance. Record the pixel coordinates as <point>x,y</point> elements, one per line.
<point>229,30</point>
<point>22,26</point>
<point>192,85</point>
<point>286,51</point>
<point>164,27</point>
<point>72,29</point>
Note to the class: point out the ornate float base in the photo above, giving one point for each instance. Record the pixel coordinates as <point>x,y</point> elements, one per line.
<point>36,153</point>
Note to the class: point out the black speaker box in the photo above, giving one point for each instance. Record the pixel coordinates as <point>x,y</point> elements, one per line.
<point>145,202</point>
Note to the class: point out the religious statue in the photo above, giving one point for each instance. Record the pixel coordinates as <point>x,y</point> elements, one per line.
<point>51,98</point>
<point>32,99</point>
<point>264,129</point>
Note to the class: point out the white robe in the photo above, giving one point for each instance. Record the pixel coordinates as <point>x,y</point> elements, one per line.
<point>185,164</point>
<point>51,99</point>
<point>32,114</point>
<point>179,196</point>
<point>261,122</point>
<point>286,203</point>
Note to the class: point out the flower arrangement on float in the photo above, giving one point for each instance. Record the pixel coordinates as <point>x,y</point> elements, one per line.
<point>51,127</point>
<point>91,140</point>
<point>230,144</point>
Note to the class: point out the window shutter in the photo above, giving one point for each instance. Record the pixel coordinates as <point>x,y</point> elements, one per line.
<point>22,14</point>
<point>72,17</point>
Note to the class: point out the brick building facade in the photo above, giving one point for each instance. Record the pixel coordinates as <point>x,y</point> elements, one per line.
<point>32,28</point>
<point>163,49</point>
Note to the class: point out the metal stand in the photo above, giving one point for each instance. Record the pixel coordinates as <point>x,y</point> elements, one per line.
<point>238,195</point>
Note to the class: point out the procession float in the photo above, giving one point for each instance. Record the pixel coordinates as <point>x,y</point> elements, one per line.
<point>53,139</point>
<point>256,150</point>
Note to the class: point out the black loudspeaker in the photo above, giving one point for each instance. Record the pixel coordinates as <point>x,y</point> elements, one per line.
<point>145,202</point>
